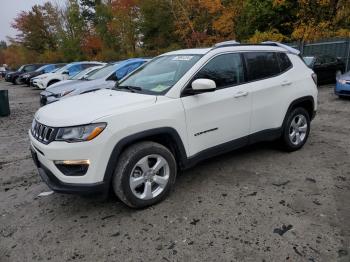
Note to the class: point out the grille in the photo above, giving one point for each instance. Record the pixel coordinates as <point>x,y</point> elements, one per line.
<point>42,133</point>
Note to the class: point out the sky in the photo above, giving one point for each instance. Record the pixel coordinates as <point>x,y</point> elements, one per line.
<point>9,9</point>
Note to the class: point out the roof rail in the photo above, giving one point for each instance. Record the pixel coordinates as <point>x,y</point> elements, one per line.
<point>288,48</point>
<point>226,43</point>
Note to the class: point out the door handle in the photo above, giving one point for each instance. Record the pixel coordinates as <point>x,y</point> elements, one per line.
<point>240,94</point>
<point>286,83</point>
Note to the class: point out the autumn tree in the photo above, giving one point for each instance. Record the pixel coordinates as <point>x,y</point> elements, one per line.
<point>205,22</point>
<point>38,28</point>
<point>125,25</point>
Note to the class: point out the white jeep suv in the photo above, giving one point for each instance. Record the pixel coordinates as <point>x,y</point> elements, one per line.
<point>180,108</point>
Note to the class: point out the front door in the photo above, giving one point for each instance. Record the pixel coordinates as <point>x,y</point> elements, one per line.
<point>215,118</point>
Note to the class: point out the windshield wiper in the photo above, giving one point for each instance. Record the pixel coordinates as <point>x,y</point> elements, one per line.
<point>130,88</point>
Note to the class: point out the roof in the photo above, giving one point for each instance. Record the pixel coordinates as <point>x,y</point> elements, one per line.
<point>193,51</point>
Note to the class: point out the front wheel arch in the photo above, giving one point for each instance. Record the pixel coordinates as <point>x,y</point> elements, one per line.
<point>166,136</point>
<point>51,82</point>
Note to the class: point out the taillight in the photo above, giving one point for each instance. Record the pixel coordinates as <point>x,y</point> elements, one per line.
<point>314,77</point>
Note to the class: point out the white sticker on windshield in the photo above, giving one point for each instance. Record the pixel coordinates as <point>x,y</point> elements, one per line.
<point>182,58</point>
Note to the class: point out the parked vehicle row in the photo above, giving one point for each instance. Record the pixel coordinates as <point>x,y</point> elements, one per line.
<point>105,77</point>
<point>168,114</point>
<point>45,80</point>
<point>26,77</point>
<point>14,76</point>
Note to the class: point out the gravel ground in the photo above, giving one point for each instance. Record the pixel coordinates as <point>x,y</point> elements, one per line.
<point>255,204</point>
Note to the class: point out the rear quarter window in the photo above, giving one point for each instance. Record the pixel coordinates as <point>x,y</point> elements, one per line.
<point>261,65</point>
<point>284,62</point>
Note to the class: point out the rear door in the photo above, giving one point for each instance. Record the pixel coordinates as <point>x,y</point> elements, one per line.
<point>221,116</point>
<point>270,87</point>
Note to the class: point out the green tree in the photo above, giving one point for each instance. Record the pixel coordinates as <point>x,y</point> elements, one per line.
<point>157,26</point>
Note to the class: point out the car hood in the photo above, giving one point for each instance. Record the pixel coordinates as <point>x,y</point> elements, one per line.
<point>43,75</point>
<point>62,86</point>
<point>345,76</point>
<point>69,85</point>
<point>86,108</point>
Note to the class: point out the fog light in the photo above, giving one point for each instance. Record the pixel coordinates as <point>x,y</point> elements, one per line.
<point>73,167</point>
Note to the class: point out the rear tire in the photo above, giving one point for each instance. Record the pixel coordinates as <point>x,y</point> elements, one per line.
<point>296,129</point>
<point>145,174</point>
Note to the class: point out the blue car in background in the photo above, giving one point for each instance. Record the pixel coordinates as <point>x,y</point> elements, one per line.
<point>104,78</point>
<point>342,88</point>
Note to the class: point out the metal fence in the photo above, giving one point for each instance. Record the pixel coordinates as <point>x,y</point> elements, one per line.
<point>338,47</point>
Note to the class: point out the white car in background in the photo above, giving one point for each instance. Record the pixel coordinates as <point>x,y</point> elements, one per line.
<point>69,70</point>
<point>80,76</point>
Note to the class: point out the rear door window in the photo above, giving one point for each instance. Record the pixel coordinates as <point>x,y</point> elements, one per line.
<point>225,70</point>
<point>261,65</point>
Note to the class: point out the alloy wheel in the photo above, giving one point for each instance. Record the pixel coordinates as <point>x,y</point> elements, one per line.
<point>298,130</point>
<point>149,177</point>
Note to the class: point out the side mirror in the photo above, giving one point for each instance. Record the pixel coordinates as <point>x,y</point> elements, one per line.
<point>203,85</point>
<point>65,72</point>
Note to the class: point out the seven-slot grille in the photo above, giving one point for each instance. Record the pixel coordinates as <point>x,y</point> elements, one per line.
<point>42,133</point>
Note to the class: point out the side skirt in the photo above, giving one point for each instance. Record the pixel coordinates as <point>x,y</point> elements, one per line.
<point>265,135</point>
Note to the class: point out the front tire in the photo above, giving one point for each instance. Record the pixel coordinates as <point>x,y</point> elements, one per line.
<point>145,174</point>
<point>16,81</point>
<point>296,129</point>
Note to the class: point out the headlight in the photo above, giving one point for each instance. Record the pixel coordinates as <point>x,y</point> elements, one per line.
<point>65,93</point>
<point>39,77</point>
<point>25,76</point>
<point>342,81</point>
<point>80,133</point>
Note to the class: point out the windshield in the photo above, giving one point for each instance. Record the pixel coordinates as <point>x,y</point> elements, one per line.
<point>160,74</point>
<point>103,72</point>
<point>309,60</point>
<point>20,69</point>
<point>42,68</point>
<point>64,68</point>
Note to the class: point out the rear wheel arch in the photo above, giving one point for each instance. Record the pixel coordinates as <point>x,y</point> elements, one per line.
<point>165,136</point>
<point>306,102</point>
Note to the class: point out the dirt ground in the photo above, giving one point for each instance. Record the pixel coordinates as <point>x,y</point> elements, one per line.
<point>255,204</point>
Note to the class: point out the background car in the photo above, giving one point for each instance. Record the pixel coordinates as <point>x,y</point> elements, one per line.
<point>13,76</point>
<point>45,80</point>
<point>26,77</point>
<point>78,77</point>
<point>106,77</point>
<point>326,67</point>
<point>342,88</point>
<point>3,70</point>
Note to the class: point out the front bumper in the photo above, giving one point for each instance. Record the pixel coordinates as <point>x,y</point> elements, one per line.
<point>342,89</point>
<point>39,84</point>
<point>93,181</point>
<point>59,186</point>
<point>68,188</point>
<point>47,98</point>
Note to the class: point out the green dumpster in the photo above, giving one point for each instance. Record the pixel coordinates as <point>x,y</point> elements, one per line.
<point>4,103</point>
